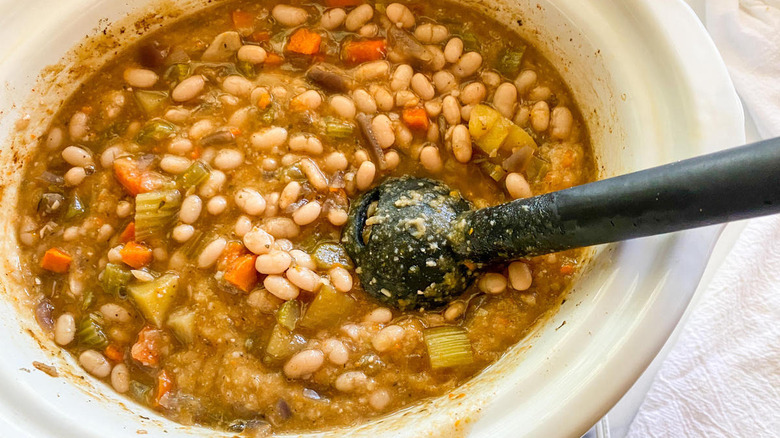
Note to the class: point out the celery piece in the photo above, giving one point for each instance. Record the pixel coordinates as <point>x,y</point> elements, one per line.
<point>328,255</point>
<point>90,332</point>
<point>154,298</point>
<point>247,69</point>
<point>327,309</point>
<point>177,73</point>
<point>336,128</point>
<point>150,101</point>
<point>448,346</point>
<point>182,322</point>
<point>470,42</point>
<point>155,130</point>
<point>268,116</point>
<point>283,344</point>
<point>115,278</point>
<point>194,245</point>
<point>87,298</point>
<point>76,209</point>
<point>509,61</point>
<point>194,175</point>
<point>155,212</point>
<point>140,392</point>
<point>288,314</point>
<point>494,171</point>
<point>536,168</point>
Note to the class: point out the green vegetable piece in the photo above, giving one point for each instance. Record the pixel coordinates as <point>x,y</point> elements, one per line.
<point>155,130</point>
<point>327,309</point>
<point>247,69</point>
<point>491,131</point>
<point>150,101</point>
<point>115,279</point>
<point>194,245</point>
<point>90,332</point>
<point>283,344</point>
<point>194,175</point>
<point>177,73</point>
<point>154,298</point>
<point>470,42</point>
<point>494,171</point>
<point>140,392</point>
<point>182,322</point>
<point>337,129</point>
<point>87,299</point>
<point>328,255</point>
<point>268,116</point>
<point>155,212</point>
<point>509,62</point>
<point>448,346</point>
<point>76,209</point>
<point>288,314</point>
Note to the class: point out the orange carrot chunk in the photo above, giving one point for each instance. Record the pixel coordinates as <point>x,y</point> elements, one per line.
<point>273,59</point>
<point>135,180</point>
<point>164,386</point>
<point>233,250</point>
<point>363,51</point>
<point>114,353</point>
<point>305,42</point>
<point>150,347</point>
<point>128,234</point>
<point>242,273</point>
<point>567,269</point>
<point>56,260</point>
<point>415,118</point>
<point>136,255</point>
<point>243,21</point>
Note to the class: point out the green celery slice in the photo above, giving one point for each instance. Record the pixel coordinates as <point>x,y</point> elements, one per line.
<point>150,101</point>
<point>90,332</point>
<point>115,279</point>
<point>194,175</point>
<point>283,344</point>
<point>288,314</point>
<point>448,346</point>
<point>155,212</point>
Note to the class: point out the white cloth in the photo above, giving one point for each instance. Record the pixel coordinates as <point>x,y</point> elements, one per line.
<point>722,378</point>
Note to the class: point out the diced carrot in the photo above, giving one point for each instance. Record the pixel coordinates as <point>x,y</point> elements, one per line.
<point>56,260</point>
<point>260,36</point>
<point>164,386</point>
<point>263,98</point>
<point>114,353</point>
<point>196,152</point>
<point>415,118</point>
<point>128,234</point>
<point>305,42</point>
<point>233,250</point>
<point>135,180</point>
<point>363,51</point>
<point>242,273</point>
<point>136,254</point>
<point>273,59</point>
<point>567,269</point>
<point>243,21</point>
<point>150,347</point>
<point>342,3</point>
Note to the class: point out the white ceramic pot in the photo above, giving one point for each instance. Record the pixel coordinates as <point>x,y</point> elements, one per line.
<point>653,89</point>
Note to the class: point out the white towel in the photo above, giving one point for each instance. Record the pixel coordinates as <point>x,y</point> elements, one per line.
<point>722,378</point>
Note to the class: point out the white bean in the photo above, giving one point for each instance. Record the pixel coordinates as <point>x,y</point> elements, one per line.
<point>337,217</point>
<point>467,65</point>
<point>275,262</point>
<point>252,54</point>
<point>140,77</point>
<point>188,89</point>
<point>64,329</point>
<point>307,213</point>
<point>383,131</point>
<point>473,93</point>
<point>190,209</point>
<point>406,98</point>
<point>304,278</point>
<point>77,156</point>
<point>305,143</point>
<point>525,81</point>
<point>380,315</point>
<point>269,138</point>
<point>520,276</point>
<point>304,363</point>
<point>336,161</point>
<point>450,108</point>
<point>95,363</point>
<point>340,278</point>
<point>402,77</point>
<point>364,101</point>
<point>505,98</point>
<point>54,139</point>
<point>437,57</point>
<point>281,288</point>
<point>365,175</point>
<point>358,17</point>
<point>228,159</point>
<point>392,159</point>
<point>333,18</point>
<point>492,283</point>
<point>74,176</point>
<point>314,175</point>
<point>517,186</point>
<point>289,194</point>
<point>384,100</point>
<point>250,201</point>
<point>429,33</point>
<point>258,241</point>
<point>174,164</point>
<point>180,146</point>
<point>369,71</point>
<point>302,258</point>
<point>115,313</point>
<point>343,106</point>
<point>237,85</point>
<point>422,86</point>
<point>431,159</point>
<point>400,15</point>
<point>453,50</point>
<point>216,205</point>
<point>561,122</point>
<point>309,99</point>
<point>77,128</point>
<point>211,252</point>
<point>540,116</point>
<point>336,352</point>
<point>243,225</point>
<point>540,93</point>
<point>182,232</point>
<point>454,311</point>
<point>379,399</point>
<point>289,16</point>
<point>281,228</point>
<point>350,381</point>
<point>120,378</point>
<point>444,81</point>
<point>461,143</point>
<point>388,338</point>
